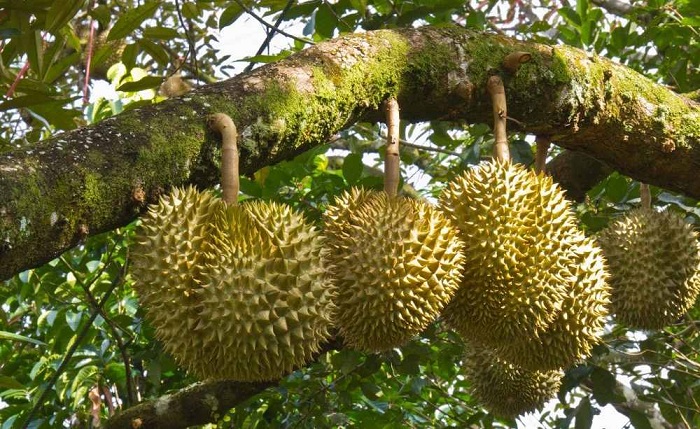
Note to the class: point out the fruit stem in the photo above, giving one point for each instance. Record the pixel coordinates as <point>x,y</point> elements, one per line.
<point>497,92</point>
<point>543,143</point>
<point>645,195</point>
<point>223,124</point>
<point>392,170</point>
<point>513,61</point>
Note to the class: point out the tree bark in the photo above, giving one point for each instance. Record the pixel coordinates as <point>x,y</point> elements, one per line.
<point>101,177</point>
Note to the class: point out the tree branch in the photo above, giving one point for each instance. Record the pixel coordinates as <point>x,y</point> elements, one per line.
<point>100,177</point>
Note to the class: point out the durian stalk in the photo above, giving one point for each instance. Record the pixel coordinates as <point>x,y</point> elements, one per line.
<point>543,143</point>
<point>514,60</point>
<point>645,195</point>
<point>500,113</point>
<point>392,171</point>
<point>223,124</point>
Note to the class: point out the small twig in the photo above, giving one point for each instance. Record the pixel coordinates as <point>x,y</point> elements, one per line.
<point>88,62</point>
<point>190,38</point>
<point>74,347</point>
<point>230,183</point>
<point>270,26</point>
<point>20,75</point>
<point>270,34</point>
<point>130,394</point>
<point>498,98</point>
<point>543,142</point>
<point>392,168</point>
<point>514,60</point>
<point>339,18</point>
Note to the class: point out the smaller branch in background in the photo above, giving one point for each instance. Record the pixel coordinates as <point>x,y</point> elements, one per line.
<point>271,33</point>
<point>20,75</point>
<point>270,26</point>
<point>121,345</point>
<point>339,18</point>
<point>190,38</point>
<point>90,51</point>
<point>74,347</point>
<point>615,7</point>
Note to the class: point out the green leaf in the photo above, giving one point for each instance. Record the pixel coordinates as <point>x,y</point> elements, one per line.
<point>73,319</point>
<point>521,152</point>
<point>603,386</point>
<point>16,337</point>
<point>190,10</point>
<point>230,15</point>
<point>9,383</point>
<point>61,12</point>
<point>639,420</point>
<point>326,21</point>
<point>616,188</point>
<point>371,390</point>
<point>132,19</point>
<point>584,414</point>
<point>8,33</point>
<point>147,82</point>
<point>570,16</point>
<point>156,51</point>
<point>352,168</point>
<point>160,33</point>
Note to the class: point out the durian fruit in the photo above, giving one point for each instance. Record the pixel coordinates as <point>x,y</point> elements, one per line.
<point>396,262</point>
<point>266,304</point>
<point>654,260</point>
<point>505,389</point>
<point>527,266</point>
<point>234,291</point>
<point>169,252</point>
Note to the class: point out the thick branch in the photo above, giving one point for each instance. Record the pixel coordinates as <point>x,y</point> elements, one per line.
<point>195,405</point>
<point>100,177</point>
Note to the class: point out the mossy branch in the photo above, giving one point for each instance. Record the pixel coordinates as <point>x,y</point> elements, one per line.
<point>100,177</point>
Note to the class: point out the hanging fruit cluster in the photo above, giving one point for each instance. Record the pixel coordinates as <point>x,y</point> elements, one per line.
<point>252,291</point>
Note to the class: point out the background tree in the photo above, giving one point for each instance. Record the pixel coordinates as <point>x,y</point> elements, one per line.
<point>74,346</point>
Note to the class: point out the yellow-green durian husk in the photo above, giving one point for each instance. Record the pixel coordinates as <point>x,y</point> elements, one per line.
<point>654,260</point>
<point>396,262</point>
<point>577,327</point>
<point>171,247</point>
<point>505,389</point>
<point>259,304</point>
<point>526,265</point>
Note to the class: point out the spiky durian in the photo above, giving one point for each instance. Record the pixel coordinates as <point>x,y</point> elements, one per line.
<point>577,326</point>
<point>527,264</point>
<point>505,389</point>
<point>171,248</point>
<point>396,262</point>
<point>654,260</point>
<point>258,302</point>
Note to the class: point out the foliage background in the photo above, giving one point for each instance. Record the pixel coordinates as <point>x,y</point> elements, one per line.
<point>73,341</point>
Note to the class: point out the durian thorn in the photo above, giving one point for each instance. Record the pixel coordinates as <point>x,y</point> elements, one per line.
<point>645,195</point>
<point>392,169</point>
<point>543,142</point>
<point>500,115</point>
<point>513,61</point>
<point>223,124</point>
